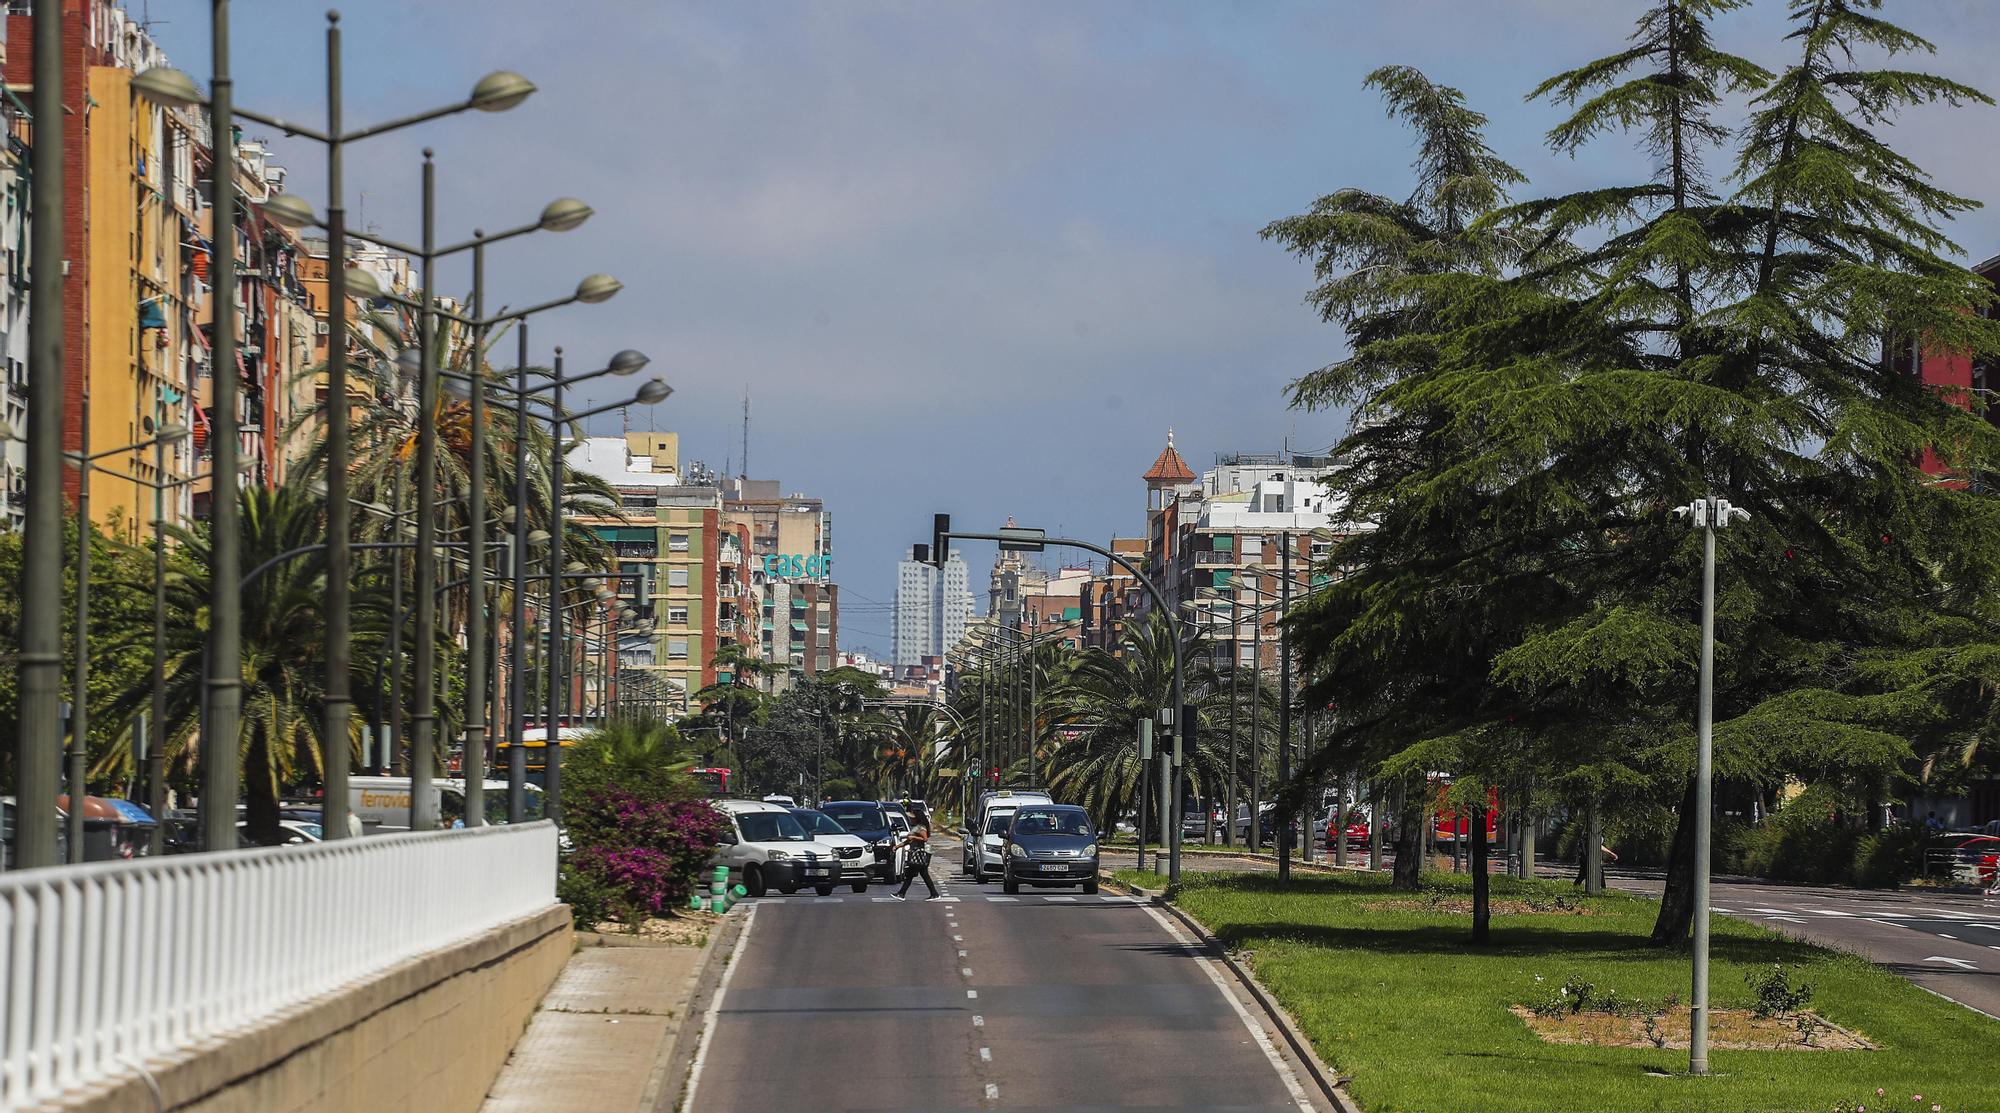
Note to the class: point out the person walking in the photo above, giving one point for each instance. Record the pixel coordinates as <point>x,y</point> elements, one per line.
<point>918,862</point>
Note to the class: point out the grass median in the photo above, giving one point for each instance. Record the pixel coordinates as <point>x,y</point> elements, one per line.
<point>1392,993</point>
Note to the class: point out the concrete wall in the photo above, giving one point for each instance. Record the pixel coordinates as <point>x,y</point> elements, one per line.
<point>430,1034</point>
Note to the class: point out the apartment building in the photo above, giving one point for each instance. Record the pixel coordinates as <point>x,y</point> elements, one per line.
<point>795,599</point>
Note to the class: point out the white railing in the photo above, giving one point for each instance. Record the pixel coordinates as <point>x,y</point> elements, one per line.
<point>109,965</point>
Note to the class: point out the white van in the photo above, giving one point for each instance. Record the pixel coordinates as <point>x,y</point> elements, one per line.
<point>767,848</point>
<point>383,803</point>
<point>986,835</point>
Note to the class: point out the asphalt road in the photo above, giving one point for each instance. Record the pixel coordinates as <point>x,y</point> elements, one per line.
<point>1053,1000</point>
<point>1947,943</point>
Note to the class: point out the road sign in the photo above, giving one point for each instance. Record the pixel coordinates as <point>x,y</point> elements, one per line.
<point>1018,540</point>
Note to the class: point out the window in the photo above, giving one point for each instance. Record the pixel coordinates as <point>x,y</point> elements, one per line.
<point>677,616</point>
<point>677,577</point>
<point>824,662</point>
<point>677,543</point>
<point>677,649</point>
<point>1253,546</point>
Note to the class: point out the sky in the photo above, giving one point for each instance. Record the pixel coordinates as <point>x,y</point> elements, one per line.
<point>971,258</point>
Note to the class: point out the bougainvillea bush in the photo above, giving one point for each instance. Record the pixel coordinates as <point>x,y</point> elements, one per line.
<point>640,829</point>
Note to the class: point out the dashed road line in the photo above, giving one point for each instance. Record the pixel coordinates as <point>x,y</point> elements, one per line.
<point>973,994</point>
<point>992,1091</point>
<point>965,971</point>
<point>978,1021</point>
<point>985,1054</point>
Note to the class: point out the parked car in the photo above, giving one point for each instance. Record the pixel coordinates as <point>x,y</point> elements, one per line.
<point>291,832</point>
<point>767,848</point>
<point>1050,844</point>
<point>781,800</point>
<point>857,865</point>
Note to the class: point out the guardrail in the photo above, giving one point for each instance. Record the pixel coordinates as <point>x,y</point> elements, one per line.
<point>106,966</point>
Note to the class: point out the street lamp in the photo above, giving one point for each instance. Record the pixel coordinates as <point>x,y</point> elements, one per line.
<point>1707,515</point>
<point>561,215</point>
<point>223,691</point>
<point>79,724</point>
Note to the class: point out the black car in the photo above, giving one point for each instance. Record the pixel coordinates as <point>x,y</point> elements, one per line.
<point>868,820</point>
<point>1050,844</point>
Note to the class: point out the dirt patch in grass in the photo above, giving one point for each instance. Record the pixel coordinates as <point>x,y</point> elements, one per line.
<point>1462,906</point>
<point>1728,1030</point>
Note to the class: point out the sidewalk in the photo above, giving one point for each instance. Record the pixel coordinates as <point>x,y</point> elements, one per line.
<point>603,1038</point>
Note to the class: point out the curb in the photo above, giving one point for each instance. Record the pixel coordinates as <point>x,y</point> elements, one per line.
<point>1323,1076</point>
<point>666,1085</point>
<point>1247,856</point>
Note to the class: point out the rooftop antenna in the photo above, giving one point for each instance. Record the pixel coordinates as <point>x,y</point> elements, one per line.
<point>745,473</point>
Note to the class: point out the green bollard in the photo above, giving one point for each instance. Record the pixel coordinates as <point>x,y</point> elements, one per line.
<point>739,892</point>
<point>696,903</point>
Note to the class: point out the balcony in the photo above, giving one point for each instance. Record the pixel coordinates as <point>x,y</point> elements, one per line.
<point>1220,556</point>
<point>725,626</point>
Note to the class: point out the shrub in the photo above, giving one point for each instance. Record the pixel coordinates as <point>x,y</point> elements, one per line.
<point>588,897</point>
<point>641,828</point>
<point>1774,993</point>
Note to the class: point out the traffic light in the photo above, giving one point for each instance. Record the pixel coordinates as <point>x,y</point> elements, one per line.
<point>940,539</point>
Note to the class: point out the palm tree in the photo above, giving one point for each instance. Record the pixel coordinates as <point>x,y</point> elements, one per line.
<point>1098,704</point>
<point>283,653</point>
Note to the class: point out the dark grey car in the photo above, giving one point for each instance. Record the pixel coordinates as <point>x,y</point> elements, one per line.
<point>1050,844</point>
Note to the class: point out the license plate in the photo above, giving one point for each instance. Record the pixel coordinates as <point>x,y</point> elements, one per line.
<point>1053,868</point>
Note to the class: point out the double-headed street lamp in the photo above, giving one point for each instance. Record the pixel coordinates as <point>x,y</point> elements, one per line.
<point>561,215</point>
<point>627,362</point>
<point>222,690</point>
<point>1707,515</point>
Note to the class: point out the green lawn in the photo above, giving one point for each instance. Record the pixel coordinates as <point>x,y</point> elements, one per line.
<point>1399,1000</point>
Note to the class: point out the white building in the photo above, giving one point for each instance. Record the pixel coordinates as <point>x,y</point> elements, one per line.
<point>933,606</point>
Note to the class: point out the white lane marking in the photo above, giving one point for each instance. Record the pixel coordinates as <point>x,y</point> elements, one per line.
<point>985,1054</point>
<point>826,900</point>
<point>1942,935</point>
<point>1788,919</point>
<point>883,900</point>
<point>715,1006</point>
<point>998,900</point>
<point>965,971</point>
<point>1773,911</point>
<point>961,952</point>
<point>978,1021</point>
<point>1257,1031</point>
<point>1724,911</point>
<point>1060,900</point>
<point>1948,913</point>
<point>1958,962</point>
<point>1826,912</point>
<point>973,994</point>
<point>958,938</point>
<point>1887,923</point>
<point>992,1091</point>
<point>1988,927</point>
<point>1116,900</point>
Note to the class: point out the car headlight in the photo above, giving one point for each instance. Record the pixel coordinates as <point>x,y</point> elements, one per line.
<point>778,855</point>
<point>1090,851</point>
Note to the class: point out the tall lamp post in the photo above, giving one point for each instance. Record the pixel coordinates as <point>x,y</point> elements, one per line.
<point>495,92</point>
<point>1707,515</point>
<point>652,391</point>
<point>39,741</point>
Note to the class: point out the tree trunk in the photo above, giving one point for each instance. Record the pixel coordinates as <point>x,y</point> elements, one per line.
<point>260,790</point>
<point>1409,839</point>
<point>1482,910</point>
<point>1676,918</point>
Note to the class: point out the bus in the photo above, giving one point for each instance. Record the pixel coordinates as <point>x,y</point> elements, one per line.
<point>715,780</point>
<point>535,744</point>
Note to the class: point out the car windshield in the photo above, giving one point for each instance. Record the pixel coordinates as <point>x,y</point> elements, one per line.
<point>312,829</point>
<point>898,821</point>
<point>998,824</point>
<point>858,817</point>
<point>771,827</point>
<point>1052,823</point>
<point>818,823</point>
